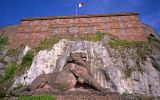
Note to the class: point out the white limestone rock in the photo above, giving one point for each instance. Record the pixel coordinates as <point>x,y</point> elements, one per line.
<point>107,66</point>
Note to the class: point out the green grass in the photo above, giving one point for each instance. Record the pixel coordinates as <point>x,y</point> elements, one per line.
<point>9,72</point>
<point>152,39</point>
<point>43,97</point>
<point>116,43</point>
<point>2,94</point>
<point>27,59</point>
<point>142,52</point>
<point>93,37</point>
<point>26,62</point>
<point>12,52</point>
<point>3,40</point>
<point>125,93</point>
<point>141,47</point>
<point>48,42</point>
<point>7,80</point>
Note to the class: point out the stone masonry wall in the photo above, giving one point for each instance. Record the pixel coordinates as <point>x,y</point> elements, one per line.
<point>122,25</point>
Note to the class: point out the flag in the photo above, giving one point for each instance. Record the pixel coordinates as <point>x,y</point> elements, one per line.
<point>80,5</point>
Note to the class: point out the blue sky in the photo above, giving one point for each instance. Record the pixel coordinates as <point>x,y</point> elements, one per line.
<point>11,11</point>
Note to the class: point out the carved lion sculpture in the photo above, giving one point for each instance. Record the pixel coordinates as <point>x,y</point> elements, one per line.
<point>75,70</point>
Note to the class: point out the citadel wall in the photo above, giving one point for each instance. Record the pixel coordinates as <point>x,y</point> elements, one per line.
<point>31,30</point>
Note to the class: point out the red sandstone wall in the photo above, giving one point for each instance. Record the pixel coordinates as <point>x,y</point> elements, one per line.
<point>124,26</point>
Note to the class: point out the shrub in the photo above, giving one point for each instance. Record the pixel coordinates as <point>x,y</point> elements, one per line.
<point>43,97</point>
<point>142,52</point>
<point>152,39</point>
<point>9,72</point>
<point>116,43</point>
<point>7,80</point>
<point>93,37</point>
<point>119,43</point>
<point>99,35</point>
<point>48,42</point>
<point>6,85</point>
<point>26,62</point>
<point>12,52</point>
<point>3,40</point>
<point>2,94</point>
<point>158,67</point>
<point>27,59</point>
<point>125,93</point>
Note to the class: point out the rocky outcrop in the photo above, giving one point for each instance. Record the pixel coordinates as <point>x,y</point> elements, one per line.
<point>8,55</point>
<point>117,69</point>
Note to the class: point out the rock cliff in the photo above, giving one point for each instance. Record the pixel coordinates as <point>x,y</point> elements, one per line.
<point>124,69</point>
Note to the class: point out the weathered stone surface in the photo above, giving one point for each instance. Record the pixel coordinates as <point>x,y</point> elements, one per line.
<point>43,63</point>
<point>1,65</point>
<point>110,67</point>
<point>76,70</point>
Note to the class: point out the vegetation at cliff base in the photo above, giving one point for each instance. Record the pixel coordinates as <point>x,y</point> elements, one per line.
<point>9,72</point>
<point>43,97</point>
<point>7,80</point>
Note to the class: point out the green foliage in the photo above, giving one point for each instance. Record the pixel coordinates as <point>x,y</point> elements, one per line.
<point>96,37</point>
<point>158,68</point>
<point>12,52</point>
<point>9,72</point>
<point>99,35</point>
<point>142,52</point>
<point>43,97</point>
<point>27,59</point>
<point>2,94</point>
<point>141,47</point>
<point>26,62</point>
<point>7,80</point>
<point>116,43</point>
<point>3,40</point>
<point>48,42</point>
<point>125,93</point>
<point>152,39</point>
<point>6,85</point>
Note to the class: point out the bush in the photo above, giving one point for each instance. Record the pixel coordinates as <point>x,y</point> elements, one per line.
<point>94,37</point>
<point>43,97</point>
<point>2,94</point>
<point>116,43</point>
<point>125,93</point>
<point>48,42</point>
<point>152,39</point>
<point>3,40</point>
<point>26,62</point>
<point>12,52</point>
<point>9,72</point>
<point>158,67</point>
<point>27,59</point>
